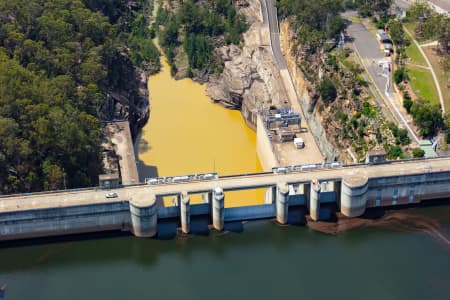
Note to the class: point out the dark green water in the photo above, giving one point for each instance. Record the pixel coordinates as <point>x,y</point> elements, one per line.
<point>263,262</point>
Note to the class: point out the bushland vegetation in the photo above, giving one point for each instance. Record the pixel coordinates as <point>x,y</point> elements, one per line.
<point>196,28</point>
<point>58,61</point>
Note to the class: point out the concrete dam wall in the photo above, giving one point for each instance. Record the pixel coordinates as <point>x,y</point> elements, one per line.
<point>264,147</point>
<point>351,194</point>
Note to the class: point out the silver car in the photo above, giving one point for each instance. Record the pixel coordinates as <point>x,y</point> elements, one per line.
<point>111,195</point>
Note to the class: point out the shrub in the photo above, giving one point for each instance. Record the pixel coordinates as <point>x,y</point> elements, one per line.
<point>407,103</point>
<point>327,90</point>
<point>399,75</point>
<point>395,152</point>
<point>417,152</point>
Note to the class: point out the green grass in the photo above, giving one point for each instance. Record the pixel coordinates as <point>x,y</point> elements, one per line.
<point>411,26</point>
<point>414,55</point>
<point>422,84</point>
<point>355,19</point>
<point>444,81</point>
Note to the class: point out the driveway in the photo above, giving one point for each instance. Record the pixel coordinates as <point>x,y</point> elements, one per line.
<point>270,15</point>
<point>371,54</point>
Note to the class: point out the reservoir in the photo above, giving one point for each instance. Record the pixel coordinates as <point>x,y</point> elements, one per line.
<point>402,255</point>
<point>188,134</point>
<point>264,261</point>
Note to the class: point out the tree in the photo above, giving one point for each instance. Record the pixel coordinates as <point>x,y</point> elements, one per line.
<point>395,28</point>
<point>57,60</point>
<point>407,103</point>
<point>399,75</point>
<point>327,90</point>
<point>336,26</point>
<point>428,117</point>
<point>395,152</point>
<point>381,6</point>
<point>417,152</point>
<point>445,64</point>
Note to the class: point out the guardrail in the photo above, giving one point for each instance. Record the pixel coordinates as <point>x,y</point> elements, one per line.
<point>181,178</point>
<point>276,170</point>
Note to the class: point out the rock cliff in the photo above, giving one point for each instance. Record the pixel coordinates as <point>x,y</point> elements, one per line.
<point>132,105</point>
<point>250,80</point>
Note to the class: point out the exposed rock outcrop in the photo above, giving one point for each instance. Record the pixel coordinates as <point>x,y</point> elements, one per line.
<point>132,105</point>
<point>250,80</point>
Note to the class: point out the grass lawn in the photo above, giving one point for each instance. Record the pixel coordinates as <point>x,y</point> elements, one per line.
<point>414,55</point>
<point>422,83</point>
<point>444,82</point>
<point>411,26</point>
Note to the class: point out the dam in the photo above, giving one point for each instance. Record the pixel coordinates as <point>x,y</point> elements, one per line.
<point>139,208</point>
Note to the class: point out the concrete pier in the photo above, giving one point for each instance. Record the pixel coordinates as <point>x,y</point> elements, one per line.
<point>144,217</point>
<point>270,195</point>
<point>282,202</point>
<point>185,212</point>
<point>354,195</point>
<point>314,201</point>
<point>206,197</point>
<point>218,205</point>
<point>337,191</point>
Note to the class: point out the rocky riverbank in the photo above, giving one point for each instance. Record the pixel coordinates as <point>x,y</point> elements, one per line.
<point>250,80</point>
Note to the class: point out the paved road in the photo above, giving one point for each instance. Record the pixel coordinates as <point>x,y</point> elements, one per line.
<point>444,4</point>
<point>270,15</point>
<point>144,193</point>
<point>311,153</point>
<point>402,4</point>
<point>440,6</point>
<point>371,54</point>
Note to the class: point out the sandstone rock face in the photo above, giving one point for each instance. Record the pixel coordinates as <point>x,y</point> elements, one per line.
<point>132,106</point>
<point>250,80</point>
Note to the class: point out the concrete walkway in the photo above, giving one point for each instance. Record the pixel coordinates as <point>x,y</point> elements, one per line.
<point>124,148</point>
<point>434,43</point>
<point>436,81</point>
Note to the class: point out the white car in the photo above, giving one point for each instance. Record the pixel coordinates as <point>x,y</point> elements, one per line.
<point>111,195</point>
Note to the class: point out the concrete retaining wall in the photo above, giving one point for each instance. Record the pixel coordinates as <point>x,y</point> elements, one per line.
<point>408,189</point>
<point>264,147</point>
<point>65,220</point>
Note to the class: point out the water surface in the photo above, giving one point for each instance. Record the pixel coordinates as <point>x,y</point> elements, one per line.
<point>265,261</point>
<point>188,134</point>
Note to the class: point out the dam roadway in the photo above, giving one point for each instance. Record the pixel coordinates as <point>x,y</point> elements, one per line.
<point>142,193</point>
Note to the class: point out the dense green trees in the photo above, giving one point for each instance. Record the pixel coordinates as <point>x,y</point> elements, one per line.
<point>199,27</point>
<point>58,59</point>
<point>428,117</point>
<point>430,25</point>
<point>314,21</point>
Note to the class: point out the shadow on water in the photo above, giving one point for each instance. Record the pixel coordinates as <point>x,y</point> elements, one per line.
<point>144,170</point>
<point>119,246</point>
